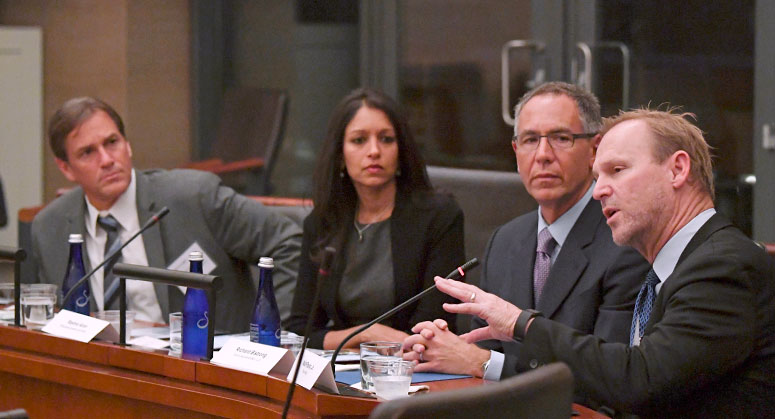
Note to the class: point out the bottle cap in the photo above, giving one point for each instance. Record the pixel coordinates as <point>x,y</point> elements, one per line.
<point>75,238</point>
<point>266,262</point>
<point>195,256</point>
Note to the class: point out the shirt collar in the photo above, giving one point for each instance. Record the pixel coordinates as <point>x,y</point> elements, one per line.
<point>563,225</point>
<point>124,210</point>
<point>667,258</point>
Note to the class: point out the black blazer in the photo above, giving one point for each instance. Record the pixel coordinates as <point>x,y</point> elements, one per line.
<point>426,233</point>
<point>591,287</point>
<point>708,349</point>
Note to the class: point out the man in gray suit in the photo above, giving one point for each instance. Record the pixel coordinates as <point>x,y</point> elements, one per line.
<point>232,231</point>
<point>559,259</point>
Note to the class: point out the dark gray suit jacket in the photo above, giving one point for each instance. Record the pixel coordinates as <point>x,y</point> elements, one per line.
<point>232,229</point>
<point>708,349</point>
<point>591,287</point>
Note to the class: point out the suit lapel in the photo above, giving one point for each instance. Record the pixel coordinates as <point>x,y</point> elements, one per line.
<point>714,223</point>
<point>572,260</point>
<point>152,239</point>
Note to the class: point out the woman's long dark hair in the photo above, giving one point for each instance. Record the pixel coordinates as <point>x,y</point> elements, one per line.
<point>335,196</point>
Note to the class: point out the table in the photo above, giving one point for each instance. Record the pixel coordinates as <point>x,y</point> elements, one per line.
<point>54,377</point>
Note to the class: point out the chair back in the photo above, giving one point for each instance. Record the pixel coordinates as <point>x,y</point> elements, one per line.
<point>488,199</point>
<point>297,209</point>
<point>545,392</point>
<point>252,124</point>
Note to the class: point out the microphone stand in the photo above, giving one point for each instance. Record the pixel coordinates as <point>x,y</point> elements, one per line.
<point>458,273</point>
<point>325,268</point>
<point>17,256</point>
<point>210,283</point>
<point>151,221</point>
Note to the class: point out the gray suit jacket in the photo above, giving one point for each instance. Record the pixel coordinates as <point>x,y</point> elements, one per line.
<point>591,287</point>
<point>232,229</point>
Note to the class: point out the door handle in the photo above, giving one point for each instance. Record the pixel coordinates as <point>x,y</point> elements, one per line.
<point>536,47</point>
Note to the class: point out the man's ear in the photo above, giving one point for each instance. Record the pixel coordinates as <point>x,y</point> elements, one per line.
<point>514,147</point>
<point>680,168</point>
<point>64,167</point>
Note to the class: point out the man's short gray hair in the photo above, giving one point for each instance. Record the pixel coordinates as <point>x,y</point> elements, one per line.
<point>587,103</point>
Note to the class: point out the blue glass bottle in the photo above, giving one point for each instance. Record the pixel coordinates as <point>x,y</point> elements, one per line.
<point>265,324</point>
<point>195,315</point>
<point>79,301</point>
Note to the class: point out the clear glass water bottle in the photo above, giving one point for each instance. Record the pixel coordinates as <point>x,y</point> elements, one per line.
<point>265,324</point>
<point>79,300</point>
<point>195,315</point>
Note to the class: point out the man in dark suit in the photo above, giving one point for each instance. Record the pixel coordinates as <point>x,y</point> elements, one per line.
<point>703,334</point>
<point>87,137</point>
<point>591,283</point>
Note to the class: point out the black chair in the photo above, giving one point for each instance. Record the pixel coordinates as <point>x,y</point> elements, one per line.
<point>488,199</point>
<point>546,392</point>
<point>250,130</point>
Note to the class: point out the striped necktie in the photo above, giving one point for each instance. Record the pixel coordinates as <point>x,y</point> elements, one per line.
<point>111,226</point>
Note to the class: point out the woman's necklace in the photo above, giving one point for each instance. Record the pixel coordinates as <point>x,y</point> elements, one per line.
<point>360,230</point>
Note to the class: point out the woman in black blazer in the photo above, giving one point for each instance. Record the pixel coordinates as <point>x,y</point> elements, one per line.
<point>393,233</point>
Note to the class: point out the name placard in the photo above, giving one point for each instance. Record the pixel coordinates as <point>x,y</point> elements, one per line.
<point>71,325</point>
<point>253,357</point>
<point>315,372</point>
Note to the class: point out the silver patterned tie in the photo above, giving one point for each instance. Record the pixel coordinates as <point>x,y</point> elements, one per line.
<point>111,226</point>
<point>543,262</point>
<point>643,305</point>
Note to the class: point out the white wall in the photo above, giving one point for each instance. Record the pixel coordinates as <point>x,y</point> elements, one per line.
<point>21,124</point>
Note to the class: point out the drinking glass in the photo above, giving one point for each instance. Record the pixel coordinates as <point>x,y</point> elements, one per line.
<point>176,327</point>
<point>291,341</point>
<point>6,293</point>
<point>378,351</point>
<point>114,317</point>
<point>391,379</point>
<point>37,301</point>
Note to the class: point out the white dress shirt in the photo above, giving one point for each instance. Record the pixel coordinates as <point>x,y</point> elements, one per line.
<point>141,296</point>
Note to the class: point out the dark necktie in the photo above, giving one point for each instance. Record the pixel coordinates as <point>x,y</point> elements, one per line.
<point>543,262</point>
<point>111,226</point>
<point>643,305</point>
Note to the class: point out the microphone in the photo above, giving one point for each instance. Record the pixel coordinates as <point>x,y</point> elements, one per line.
<point>457,274</point>
<point>112,290</point>
<point>323,271</point>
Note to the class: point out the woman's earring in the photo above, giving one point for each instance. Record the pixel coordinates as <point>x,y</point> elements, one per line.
<point>398,172</point>
<point>341,173</point>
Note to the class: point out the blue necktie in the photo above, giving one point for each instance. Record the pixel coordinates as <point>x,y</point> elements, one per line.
<point>110,225</point>
<point>643,305</point>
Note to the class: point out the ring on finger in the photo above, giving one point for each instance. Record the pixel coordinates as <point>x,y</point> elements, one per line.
<point>473,297</point>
